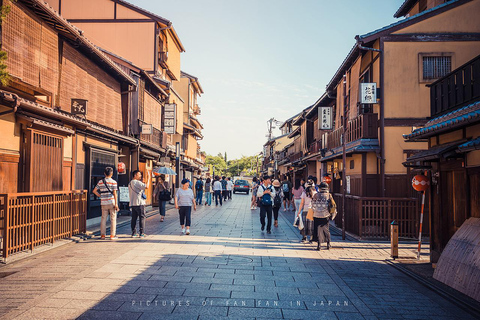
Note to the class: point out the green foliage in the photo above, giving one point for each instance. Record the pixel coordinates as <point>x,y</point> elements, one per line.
<point>245,165</point>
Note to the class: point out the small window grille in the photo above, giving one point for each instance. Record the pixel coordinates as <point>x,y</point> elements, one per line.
<point>435,67</point>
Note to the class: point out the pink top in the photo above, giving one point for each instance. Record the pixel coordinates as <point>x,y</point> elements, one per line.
<point>297,194</point>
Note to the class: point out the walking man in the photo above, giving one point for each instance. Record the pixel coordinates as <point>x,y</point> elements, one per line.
<point>217,189</point>
<point>224,188</point>
<point>266,193</point>
<point>286,188</point>
<point>229,188</point>
<point>106,190</point>
<point>199,190</point>
<point>136,190</point>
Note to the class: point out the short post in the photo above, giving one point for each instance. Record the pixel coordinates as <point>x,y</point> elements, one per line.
<point>394,239</point>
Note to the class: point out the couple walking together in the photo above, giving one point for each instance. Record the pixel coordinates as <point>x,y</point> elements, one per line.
<point>269,197</point>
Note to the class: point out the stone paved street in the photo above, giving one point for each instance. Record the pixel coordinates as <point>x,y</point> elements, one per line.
<point>227,268</point>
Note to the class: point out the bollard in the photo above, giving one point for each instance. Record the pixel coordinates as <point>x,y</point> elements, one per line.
<point>394,239</point>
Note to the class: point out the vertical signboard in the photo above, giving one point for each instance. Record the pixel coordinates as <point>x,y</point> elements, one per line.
<point>368,93</point>
<point>170,119</point>
<point>325,118</point>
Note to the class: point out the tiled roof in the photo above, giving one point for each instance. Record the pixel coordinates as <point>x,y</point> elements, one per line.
<point>433,153</point>
<point>449,121</point>
<point>470,145</point>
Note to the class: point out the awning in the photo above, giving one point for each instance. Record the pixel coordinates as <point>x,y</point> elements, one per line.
<point>356,149</point>
<point>149,153</point>
<point>44,123</point>
<point>433,154</point>
<point>469,146</point>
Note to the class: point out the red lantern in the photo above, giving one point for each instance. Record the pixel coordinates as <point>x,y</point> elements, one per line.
<point>327,179</point>
<point>420,182</point>
<point>121,168</point>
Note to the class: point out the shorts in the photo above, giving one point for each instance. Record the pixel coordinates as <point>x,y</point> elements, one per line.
<point>286,195</point>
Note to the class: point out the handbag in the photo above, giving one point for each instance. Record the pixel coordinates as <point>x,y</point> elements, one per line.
<point>164,195</point>
<point>310,214</point>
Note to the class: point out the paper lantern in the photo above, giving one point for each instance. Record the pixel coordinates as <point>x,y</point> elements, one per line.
<point>420,183</point>
<point>121,168</point>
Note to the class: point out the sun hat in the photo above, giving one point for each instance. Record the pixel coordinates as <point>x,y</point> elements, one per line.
<point>276,183</point>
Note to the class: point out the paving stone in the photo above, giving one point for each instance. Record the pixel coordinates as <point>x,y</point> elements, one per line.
<point>258,313</point>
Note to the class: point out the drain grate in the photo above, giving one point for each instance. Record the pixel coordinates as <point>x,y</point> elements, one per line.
<point>229,260</point>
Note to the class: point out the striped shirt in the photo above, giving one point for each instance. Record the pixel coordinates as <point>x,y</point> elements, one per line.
<point>106,197</point>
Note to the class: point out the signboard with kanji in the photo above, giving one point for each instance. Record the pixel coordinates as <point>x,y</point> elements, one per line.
<point>170,119</point>
<point>147,129</point>
<point>79,106</point>
<point>368,93</point>
<point>325,118</point>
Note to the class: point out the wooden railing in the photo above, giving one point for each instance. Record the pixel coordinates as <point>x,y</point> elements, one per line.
<point>296,156</point>
<point>457,89</point>
<point>315,147</point>
<point>371,217</point>
<point>157,138</point>
<point>365,126</point>
<point>30,219</point>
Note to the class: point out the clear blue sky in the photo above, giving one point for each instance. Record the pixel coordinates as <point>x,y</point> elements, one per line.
<point>265,58</point>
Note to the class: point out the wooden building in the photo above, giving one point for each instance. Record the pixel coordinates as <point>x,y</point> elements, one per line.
<point>63,112</point>
<point>400,60</point>
<point>453,155</point>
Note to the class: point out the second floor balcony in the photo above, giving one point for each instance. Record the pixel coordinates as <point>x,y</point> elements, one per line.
<point>158,138</point>
<point>365,126</point>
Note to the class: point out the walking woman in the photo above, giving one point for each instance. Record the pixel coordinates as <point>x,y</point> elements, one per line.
<point>297,195</point>
<point>324,210</point>
<point>208,192</point>
<point>305,206</point>
<point>277,201</point>
<point>253,205</point>
<point>162,193</point>
<point>184,199</point>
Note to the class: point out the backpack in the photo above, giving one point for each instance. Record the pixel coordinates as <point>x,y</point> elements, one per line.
<point>199,185</point>
<point>321,205</point>
<point>266,198</point>
<point>285,187</point>
<point>277,200</point>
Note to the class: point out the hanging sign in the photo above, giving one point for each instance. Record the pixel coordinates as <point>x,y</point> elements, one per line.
<point>170,118</point>
<point>325,118</point>
<point>368,92</point>
<point>123,194</point>
<point>79,106</point>
<point>147,129</point>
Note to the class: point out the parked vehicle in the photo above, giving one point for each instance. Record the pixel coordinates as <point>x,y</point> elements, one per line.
<point>241,186</point>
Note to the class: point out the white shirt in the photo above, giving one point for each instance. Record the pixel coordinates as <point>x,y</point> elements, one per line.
<point>229,185</point>
<point>263,188</point>
<point>217,186</point>
<point>135,190</point>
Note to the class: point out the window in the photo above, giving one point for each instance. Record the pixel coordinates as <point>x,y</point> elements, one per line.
<point>435,67</point>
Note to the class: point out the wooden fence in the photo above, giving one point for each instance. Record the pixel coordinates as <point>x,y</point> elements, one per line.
<point>31,219</point>
<point>370,217</point>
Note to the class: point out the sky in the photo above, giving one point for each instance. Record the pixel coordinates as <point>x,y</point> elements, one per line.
<point>262,59</point>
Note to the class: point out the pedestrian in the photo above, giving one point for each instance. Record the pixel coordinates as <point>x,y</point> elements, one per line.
<point>136,190</point>
<point>217,189</point>
<point>324,210</point>
<point>253,205</point>
<point>266,193</point>
<point>199,191</point>
<point>208,192</point>
<point>224,188</point>
<point>162,194</point>
<point>184,199</point>
<point>229,188</point>
<point>277,201</point>
<point>106,190</point>
<point>286,188</point>
<point>305,206</point>
<point>297,195</point>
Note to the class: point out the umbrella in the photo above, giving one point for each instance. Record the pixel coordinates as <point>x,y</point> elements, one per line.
<point>164,170</point>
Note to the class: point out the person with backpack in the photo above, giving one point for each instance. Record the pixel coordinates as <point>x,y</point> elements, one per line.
<point>286,188</point>
<point>136,190</point>
<point>199,191</point>
<point>208,192</point>
<point>162,194</point>
<point>106,190</point>
<point>305,207</point>
<point>324,210</point>
<point>277,201</point>
<point>266,194</point>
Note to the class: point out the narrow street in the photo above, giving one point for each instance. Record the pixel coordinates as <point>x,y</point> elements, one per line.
<point>227,268</point>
